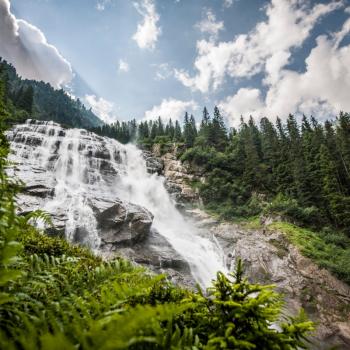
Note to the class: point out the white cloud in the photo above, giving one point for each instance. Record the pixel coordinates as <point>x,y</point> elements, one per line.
<point>148,30</point>
<point>171,108</point>
<point>101,4</point>
<point>228,3</point>
<point>267,46</point>
<point>102,108</point>
<point>245,102</point>
<point>321,90</point>
<point>164,71</point>
<point>209,25</point>
<point>26,47</point>
<point>123,66</point>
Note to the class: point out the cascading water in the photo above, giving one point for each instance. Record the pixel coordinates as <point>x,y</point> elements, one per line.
<point>70,162</point>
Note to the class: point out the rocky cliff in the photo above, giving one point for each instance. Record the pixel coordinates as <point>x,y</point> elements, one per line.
<point>269,258</point>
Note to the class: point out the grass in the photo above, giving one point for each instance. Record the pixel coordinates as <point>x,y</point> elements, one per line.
<point>252,223</point>
<point>329,250</point>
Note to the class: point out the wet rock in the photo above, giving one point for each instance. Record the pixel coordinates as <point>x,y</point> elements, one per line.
<point>39,191</point>
<point>154,165</point>
<point>124,223</point>
<point>81,236</point>
<point>154,252</point>
<point>269,258</point>
<point>178,179</point>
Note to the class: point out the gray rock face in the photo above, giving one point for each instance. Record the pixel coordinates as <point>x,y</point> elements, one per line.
<point>76,176</point>
<point>154,165</point>
<point>123,224</point>
<point>269,258</point>
<point>176,174</point>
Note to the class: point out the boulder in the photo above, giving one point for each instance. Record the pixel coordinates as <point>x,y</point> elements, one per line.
<point>124,223</point>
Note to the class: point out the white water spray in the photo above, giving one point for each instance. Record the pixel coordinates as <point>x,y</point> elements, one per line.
<point>70,161</point>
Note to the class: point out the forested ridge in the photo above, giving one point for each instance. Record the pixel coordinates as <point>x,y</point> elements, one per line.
<point>54,295</point>
<point>39,100</point>
<point>299,170</point>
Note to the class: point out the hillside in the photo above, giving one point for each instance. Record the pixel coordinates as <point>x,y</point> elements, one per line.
<point>38,100</point>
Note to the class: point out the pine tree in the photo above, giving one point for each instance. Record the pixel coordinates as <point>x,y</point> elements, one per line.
<point>206,118</point>
<point>217,133</point>
<point>270,151</point>
<point>170,130</point>
<point>190,131</point>
<point>177,132</point>
<point>160,131</point>
<point>343,143</point>
<point>193,126</point>
<point>25,99</point>
<point>154,131</point>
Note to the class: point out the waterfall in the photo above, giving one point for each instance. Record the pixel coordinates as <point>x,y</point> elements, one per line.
<point>78,164</point>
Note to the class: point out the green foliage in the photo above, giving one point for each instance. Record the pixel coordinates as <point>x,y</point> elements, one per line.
<point>299,173</point>
<point>38,100</point>
<point>329,249</point>
<point>289,208</point>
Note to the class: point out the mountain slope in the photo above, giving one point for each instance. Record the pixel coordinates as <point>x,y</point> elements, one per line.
<point>39,100</point>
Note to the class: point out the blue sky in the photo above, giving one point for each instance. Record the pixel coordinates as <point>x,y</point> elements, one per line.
<point>146,58</point>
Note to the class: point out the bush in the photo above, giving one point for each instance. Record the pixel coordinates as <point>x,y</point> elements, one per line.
<point>290,209</point>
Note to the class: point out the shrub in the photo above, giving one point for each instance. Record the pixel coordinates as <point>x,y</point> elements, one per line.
<point>290,208</point>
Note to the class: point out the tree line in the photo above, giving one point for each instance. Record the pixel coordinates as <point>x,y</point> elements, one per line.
<point>38,100</point>
<point>299,169</point>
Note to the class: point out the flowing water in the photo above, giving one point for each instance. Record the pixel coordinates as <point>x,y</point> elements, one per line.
<point>78,165</point>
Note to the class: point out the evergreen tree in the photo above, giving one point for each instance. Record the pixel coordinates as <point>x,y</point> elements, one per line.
<point>206,118</point>
<point>190,130</point>
<point>170,129</point>
<point>177,132</point>
<point>193,126</point>
<point>154,130</point>
<point>160,130</point>
<point>343,143</point>
<point>217,133</point>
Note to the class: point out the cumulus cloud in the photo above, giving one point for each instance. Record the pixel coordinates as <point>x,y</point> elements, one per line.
<point>322,89</point>
<point>26,47</point>
<point>244,102</point>
<point>171,108</point>
<point>210,25</point>
<point>267,46</point>
<point>227,3</point>
<point>123,66</point>
<point>102,108</point>
<point>101,4</point>
<point>163,71</point>
<point>148,30</point>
